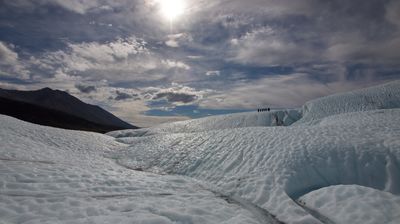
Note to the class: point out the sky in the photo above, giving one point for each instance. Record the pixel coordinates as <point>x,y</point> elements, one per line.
<point>156,61</point>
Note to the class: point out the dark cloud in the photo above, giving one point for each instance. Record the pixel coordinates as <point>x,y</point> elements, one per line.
<point>85,89</point>
<point>176,97</point>
<point>124,96</point>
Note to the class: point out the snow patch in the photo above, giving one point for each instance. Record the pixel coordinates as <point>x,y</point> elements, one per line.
<point>354,204</point>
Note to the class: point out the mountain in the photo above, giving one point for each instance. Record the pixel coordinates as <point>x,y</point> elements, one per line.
<point>58,109</point>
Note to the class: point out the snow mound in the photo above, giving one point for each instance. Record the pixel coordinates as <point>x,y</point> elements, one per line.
<point>220,122</point>
<point>50,175</point>
<point>273,166</point>
<point>386,96</point>
<point>353,204</point>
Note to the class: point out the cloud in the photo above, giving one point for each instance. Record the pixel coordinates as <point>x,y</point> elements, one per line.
<point>265,46</point>
<point>124,96</point>
<point>175,64</point>
<point>174,40</point>
<point>354,48</point>
<point>176,97</point>
<point>85,89</point>
<point>10,64</point>
<point>120,60</point>
<point>340,31</point>
<point>171,43</point>
<point>7,56</point>
<point>223,53</point>
<point>112,52</point>
<point>393,12</point>
<point>77,6</point>
<point>133,111</point>
<point>272,8</point>
<point>176,94</point>
<point>285,91</point>
<point>213,73</point>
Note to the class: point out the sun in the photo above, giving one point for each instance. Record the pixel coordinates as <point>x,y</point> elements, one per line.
<point>172,9</point>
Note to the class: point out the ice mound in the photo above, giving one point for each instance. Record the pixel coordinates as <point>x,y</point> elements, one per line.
<point>220,122</point>
<point>353,204</point>
<point>386,96</point>
<point>272,166</point>
<point>50,175</point>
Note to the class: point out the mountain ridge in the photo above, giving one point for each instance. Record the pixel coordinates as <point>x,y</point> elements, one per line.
<point>59,104</point>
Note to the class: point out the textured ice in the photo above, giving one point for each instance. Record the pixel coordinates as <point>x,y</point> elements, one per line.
<point>386,96</point>
<point>227,169</point>
<point>49,175</point>
<point>271,167</point>
<point>238,120</point>
<point>354,204</point>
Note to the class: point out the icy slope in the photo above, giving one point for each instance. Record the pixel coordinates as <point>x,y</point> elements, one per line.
<point>354,204</point>
<point>229,121</point>
<point>226,169</point>
<point>386,96</point>
<point>350,138</point>
<point>273,166</point>
<point>49,175</point>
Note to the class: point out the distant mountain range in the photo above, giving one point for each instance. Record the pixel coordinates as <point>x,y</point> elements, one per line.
<point>58,109</point>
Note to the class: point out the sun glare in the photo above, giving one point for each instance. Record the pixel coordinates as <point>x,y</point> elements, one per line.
<point>172,9</point>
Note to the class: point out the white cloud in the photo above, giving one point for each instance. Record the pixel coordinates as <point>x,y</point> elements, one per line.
<point>172,43</point>
<point>10,65</point>
<point>133,112</point>
<point>120,60</point>
<point>175,64</point>
<point>7,56</point>
<point>271,8</point>
<point>110,52</point>
<point>195,57</point>
<point>174,40</point>
<point>77,6</point>
<point>213,73</point>
<point>265,46</point>
<point>270,47</point>
<point>279,91</point>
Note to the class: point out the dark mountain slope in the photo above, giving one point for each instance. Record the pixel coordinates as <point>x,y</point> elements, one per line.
<point>37,106</point>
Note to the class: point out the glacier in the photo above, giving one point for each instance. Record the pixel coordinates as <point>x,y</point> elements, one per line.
<point>335,160</point>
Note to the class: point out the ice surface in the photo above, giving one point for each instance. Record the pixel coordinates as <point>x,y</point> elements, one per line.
<point>386,96</point>
<point>354,204</point>
<point>272,166</point>
<point>50,175</point>
<point>242,168</point>
<point>220,122</point>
